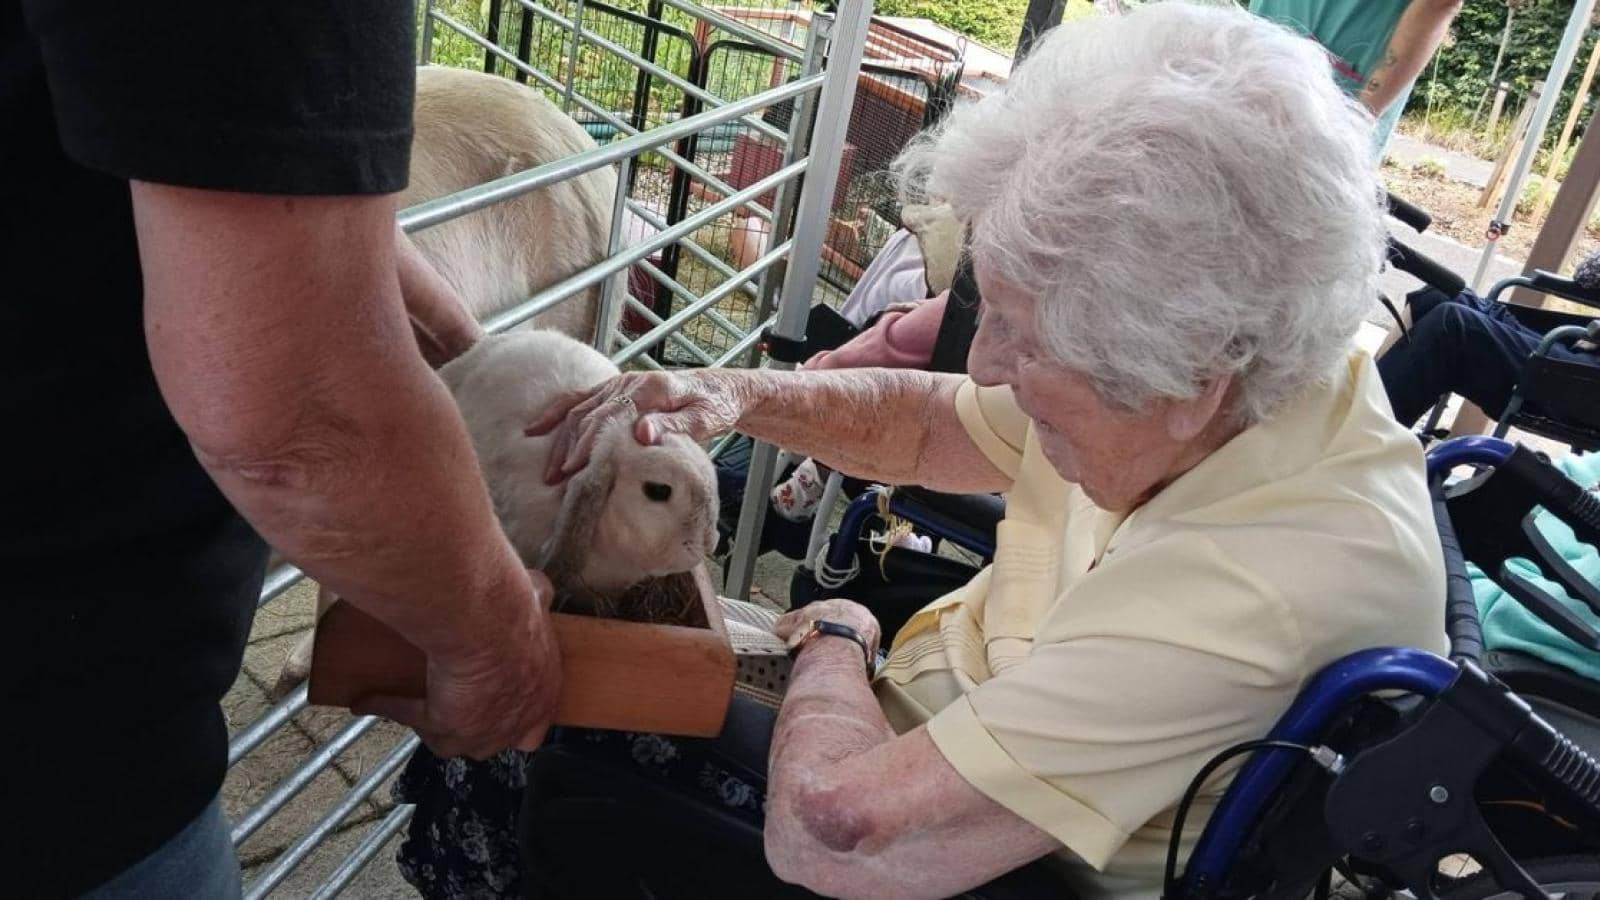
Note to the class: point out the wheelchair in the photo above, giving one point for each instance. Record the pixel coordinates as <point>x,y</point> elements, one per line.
<point>1401,771</point>
<point>1554,397</point>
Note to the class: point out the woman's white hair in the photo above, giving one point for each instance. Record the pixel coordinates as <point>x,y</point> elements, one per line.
<point>1186,191</point>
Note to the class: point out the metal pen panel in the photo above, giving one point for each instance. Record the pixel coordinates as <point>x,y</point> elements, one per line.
<point>459,204</point>
<point>720,321</point>
<point>298,780</point>
<point>738,29</point>
<point>688,312</point>
<point>266,725</point>
<point>651,317</point>
<point>800,279</point>
<point>640,62</point>
<point>363,853</point>
<point>316,834</point>
<point>593,275</point>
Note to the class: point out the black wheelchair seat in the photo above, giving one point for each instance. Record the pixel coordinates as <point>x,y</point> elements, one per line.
<point>1562,401</point>
<point>1576,697</point>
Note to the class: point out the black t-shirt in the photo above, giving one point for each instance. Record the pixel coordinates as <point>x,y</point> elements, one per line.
<point>127,581</point>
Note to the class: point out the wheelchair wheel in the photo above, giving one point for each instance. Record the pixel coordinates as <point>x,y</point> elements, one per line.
<point>1560,876</point>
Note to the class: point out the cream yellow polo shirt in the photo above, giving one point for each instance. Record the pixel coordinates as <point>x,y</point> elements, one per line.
<point>1084,678</point>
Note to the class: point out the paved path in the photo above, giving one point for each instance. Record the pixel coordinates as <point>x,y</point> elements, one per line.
<point>1408,151</point>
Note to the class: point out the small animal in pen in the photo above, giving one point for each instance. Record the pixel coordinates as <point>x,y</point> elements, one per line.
<point>610,535</point>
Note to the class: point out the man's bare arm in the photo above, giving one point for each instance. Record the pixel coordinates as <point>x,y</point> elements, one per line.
<point>280,342</point>
<point>440,321</point>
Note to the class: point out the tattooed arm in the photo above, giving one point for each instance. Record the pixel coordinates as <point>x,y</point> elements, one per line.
<point>1422,27</point>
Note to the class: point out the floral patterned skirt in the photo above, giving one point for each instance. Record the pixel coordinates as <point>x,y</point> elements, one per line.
<point>462,841</point>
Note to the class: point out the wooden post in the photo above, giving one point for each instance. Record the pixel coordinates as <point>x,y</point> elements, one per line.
<point>1519,133</point>
<point>1494,110</point>
<point>1578,101</point>
<point>1574,203</point>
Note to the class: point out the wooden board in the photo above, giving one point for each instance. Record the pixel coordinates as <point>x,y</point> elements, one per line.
<point>618,675</point>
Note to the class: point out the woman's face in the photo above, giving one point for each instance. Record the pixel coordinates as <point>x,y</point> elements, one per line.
<point>1119,458</point>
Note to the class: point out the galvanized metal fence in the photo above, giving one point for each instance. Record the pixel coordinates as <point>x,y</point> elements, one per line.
<point>676,129</point>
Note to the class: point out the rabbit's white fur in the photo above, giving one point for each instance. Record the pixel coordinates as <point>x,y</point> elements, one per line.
<point>600,530</point>
<point>472,128</point>
<point>507,381</point>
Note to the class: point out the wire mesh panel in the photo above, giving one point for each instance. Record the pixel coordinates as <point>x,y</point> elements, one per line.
<point>740,155</point>
<point>907,85</point>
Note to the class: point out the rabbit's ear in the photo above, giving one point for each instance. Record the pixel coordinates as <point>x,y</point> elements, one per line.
<point>567,548</point>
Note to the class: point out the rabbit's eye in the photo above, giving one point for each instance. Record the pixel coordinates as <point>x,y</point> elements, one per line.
<point>657,491</point>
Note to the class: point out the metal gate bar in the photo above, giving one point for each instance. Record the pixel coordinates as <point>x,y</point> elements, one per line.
<point>297,852</point>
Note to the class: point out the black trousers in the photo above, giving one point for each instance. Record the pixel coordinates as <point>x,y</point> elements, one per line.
<point>1465,345</point>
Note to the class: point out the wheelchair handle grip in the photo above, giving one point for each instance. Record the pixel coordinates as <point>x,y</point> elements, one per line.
<point>1559,494</point>
<point>1566,764</point>
<point>1411,215</point>
<point>1408,260</point>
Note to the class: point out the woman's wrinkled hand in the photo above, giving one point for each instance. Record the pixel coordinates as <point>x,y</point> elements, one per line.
<point>793,625</point>
<point>696,404</point>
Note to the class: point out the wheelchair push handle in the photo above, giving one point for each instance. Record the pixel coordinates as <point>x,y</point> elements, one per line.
<point>1559,494</point>
<point>1413,216</point>
<point>1561,761</point>
<point>1408,260</point>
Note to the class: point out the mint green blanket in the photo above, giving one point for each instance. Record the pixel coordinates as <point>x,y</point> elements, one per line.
<point>1508,626</point>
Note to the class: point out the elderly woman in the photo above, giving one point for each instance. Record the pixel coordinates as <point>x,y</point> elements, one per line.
<point>1176,229</point>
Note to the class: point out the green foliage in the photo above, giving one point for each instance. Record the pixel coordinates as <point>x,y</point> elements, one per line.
<point>1429,168</point>
<point>1460,81</point>
<point>996,23</point>
<point>1528,198</point>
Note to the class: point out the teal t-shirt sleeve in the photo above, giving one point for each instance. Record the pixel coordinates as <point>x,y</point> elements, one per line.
<point>1356,34</point>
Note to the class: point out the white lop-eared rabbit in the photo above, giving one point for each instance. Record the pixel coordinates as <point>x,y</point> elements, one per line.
<point>472,128</point>
<point>634,512</point>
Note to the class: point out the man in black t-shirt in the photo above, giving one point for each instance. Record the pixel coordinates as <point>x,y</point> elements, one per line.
<point>204,318</point>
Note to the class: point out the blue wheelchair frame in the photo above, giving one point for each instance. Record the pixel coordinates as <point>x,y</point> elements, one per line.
<point>1368,671</point>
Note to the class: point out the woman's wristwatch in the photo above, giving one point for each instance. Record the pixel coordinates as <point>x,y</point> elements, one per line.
<point>823,626</point>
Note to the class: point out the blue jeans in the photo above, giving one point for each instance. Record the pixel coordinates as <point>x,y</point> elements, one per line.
<point>1465,345</point>
<point>197,862</point>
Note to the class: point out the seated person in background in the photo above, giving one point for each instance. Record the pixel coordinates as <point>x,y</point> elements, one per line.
<point>1208,500</point>
<point>891,302</point>
<point>1465,345</point>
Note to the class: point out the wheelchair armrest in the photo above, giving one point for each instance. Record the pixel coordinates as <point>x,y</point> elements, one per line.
<point>1543,320</point>
<point>1551,283</point>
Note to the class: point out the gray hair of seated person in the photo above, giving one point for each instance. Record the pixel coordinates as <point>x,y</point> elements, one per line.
<point>1187,192</point>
